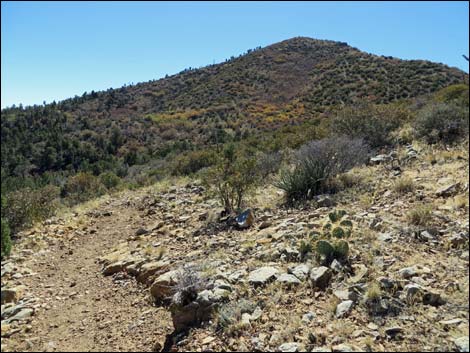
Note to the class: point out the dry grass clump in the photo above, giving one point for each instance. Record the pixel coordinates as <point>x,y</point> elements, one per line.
<point>421,215</point>
<point>404,185</point>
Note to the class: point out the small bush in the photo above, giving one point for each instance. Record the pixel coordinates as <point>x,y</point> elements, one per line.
<point>231,178</point>
<point>372,123</point>
<point>83,187</point>
<point>316,163</point>
<point>442,122</point>
<point>192,162</point>
<point>420,216</point>
<point>110,180</point>
<point>268,163</point>
<point>6,240</point>
<point>26,206</point>
<point>404,185</point>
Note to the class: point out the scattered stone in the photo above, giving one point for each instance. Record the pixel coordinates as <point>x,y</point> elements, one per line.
<point>408,272</point>
<point>344,308</point>
<point>289,347</point>
<point>288,279</point>
<point>151,268</point>
<point>433,299</point>
<point>393,331</point>
<point>308,317</point>
<point>320,277</point>
<point>12,295</point>
<point>462,344</point>
<point>262,275</point>
<point>448,190</point>
<point>324,201</point>
<point>162,286</point>
<point>300,271</point>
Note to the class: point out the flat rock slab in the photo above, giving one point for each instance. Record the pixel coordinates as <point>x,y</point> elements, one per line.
<point>262,275</point>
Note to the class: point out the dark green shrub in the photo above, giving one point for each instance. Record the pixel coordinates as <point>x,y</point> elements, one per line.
<point>373,123</point>
<point>109,180</point>
<point>316,163</point>
<point>442,122</point>
<point>82,187</point>
<point>26,206</point>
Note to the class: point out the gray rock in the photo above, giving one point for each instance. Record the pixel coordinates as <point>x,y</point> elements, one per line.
<point>407,272</point>
<point>308,317</point>
<point>291,254</point>
<point>344,308</point>
<point>320,277</point>
<point>22,314</point>
<point>448,190</point>
<point>462,344</point>
<point>262,275</point>
<point>301,271</point>
<point>336,266</point>
<point>288,279</point>
<point>324,201</point>
<point>289,347</point>
<point>410,291</point>
<point>385,237</point>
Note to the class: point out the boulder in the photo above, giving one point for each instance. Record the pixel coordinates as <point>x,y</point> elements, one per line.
<point>288,279</point>
<point>262,275</point>
<point>12,295</point>
<point>320,277</point>
<point>162,287</point>
<point>151,268</point>
<point>301,271</point>
<point>344,308</point>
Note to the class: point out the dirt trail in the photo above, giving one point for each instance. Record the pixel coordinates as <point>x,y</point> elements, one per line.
<point>81,309</point>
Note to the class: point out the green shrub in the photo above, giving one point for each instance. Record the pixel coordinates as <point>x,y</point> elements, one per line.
<point>231,178</point>
<point>457,94</point>
<point>316,163</point>
<point>109,180</point>
<point>82,187</point>
<point>373,123</point>
<point>442,122</point>
<point>26,206</point>
<point>6,241</point>
<point>192,162</point>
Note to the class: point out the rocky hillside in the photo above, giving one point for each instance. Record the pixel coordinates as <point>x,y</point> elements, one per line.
<point>101,277</point>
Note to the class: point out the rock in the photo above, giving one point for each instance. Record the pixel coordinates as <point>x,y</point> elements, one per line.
<point>262,275</point>
<point>308,317</point>
<point>407,272</point>
<point>150,269</point>
<point>320,277</point>
<point>114,268</point>
<point>289,347</point>
<point>336,266</point>
<point>236,276</point>
<point>360,271</point>
<point>462,344</point>
<point>265,224</point>
<point>288,279</point>
<point>452,322</point>
<point>200,309</point>
<point>433,299</point>
<point>300,271</point>
<point>448,190</point>
<point>344,308</point>
<point>162,287</point>
<point>245,219</point>
<point>385,237</point>
<point>381,158</point>
<point>457,240</point>
<point>411,290</point>
<point>393,331</point>
<point>12,295</point>
<point>324,201</point>
<point>291,254</point>
<point>23,313</point>
<point>344,348</point>
<point>141,231</point>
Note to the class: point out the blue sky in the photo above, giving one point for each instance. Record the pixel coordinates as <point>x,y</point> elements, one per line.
<point>55,50</point>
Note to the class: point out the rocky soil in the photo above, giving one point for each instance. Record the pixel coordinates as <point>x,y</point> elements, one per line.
<point>102,276</point>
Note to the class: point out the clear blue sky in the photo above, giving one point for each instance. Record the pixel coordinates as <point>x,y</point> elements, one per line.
<point>55,50</point>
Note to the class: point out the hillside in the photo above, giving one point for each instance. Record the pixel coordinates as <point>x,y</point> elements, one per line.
<point>268,90</point>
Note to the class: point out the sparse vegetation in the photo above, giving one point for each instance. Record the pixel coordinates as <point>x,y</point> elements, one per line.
<point>404,185</point>
<point>420,215</point>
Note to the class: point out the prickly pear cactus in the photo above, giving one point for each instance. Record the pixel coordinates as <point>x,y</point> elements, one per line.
<point>337,227</point>
<point>341,249</point>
